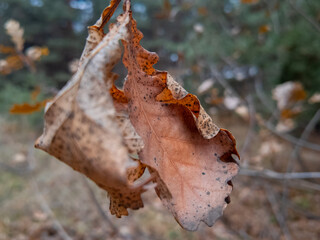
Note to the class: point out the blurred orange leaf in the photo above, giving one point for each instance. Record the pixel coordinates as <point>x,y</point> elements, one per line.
<point>216,101</point>
<point>288,94</point>
<point>6,49</point>
<point>289,113</point>
<point>298,94</point>
<point>315,98</point>
<point>264,29</point>
<point>11,63</point>
<point>27,108</point>
<point>249,1</point>
<point>35,53</point>
<point>203,11</point>
<point>35,93</point>
<point>15,62</point>
<point>165,12</point>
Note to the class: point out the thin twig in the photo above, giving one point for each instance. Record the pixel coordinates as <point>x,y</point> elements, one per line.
<point>261,95</point>
<point>99,208</point>
<point>250,134</point>
<point>303,212</point>
<point>8,168</point>
<point>264,100</point>
<point>278,176</point>
<point>275,21</point>
<point>225,84</point>
<point>305,135</point>
<point>307,18</point>
<point>300,142</point>
<point>279,217</point>
<point>295,155</point>
<point>234,231</point>
<point>43,203</point>
<point>45,207</point>
<point>298,183</point>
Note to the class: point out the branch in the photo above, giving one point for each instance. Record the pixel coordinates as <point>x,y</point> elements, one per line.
<point>99,208</point>
<point>309,20</point>
<point>273,200</point>
<point>43,203</point>
<point>304,136</point>
<point>294,140</point>
<point>264,100</point>
<point>278,176</point>
<point>250,133</point>
<point>294,156</point>
<point>45,207</point>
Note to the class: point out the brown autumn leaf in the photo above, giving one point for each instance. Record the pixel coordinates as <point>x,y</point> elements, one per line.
<point>80,123</point>
<point>192,158</point>
<point>189,157</point>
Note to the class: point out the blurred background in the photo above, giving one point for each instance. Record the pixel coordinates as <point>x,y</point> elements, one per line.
<point>255,66</point>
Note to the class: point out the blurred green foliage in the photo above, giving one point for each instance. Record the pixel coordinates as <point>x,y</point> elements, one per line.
<point>270,40</point>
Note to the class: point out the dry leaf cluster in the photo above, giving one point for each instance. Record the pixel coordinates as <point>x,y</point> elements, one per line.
<point>17,57</point>
<point>100,130</point>
<point>289,97</point>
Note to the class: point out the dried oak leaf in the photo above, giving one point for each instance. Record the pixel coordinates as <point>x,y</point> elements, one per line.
<point>132,140</point>
<point>191,157</point>
<point>80,123</point>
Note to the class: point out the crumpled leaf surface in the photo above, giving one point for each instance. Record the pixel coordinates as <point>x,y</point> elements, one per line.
<point>96,33</point>
<point>112,136</point>
<point>192,158</point>
<point>80,123</point>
